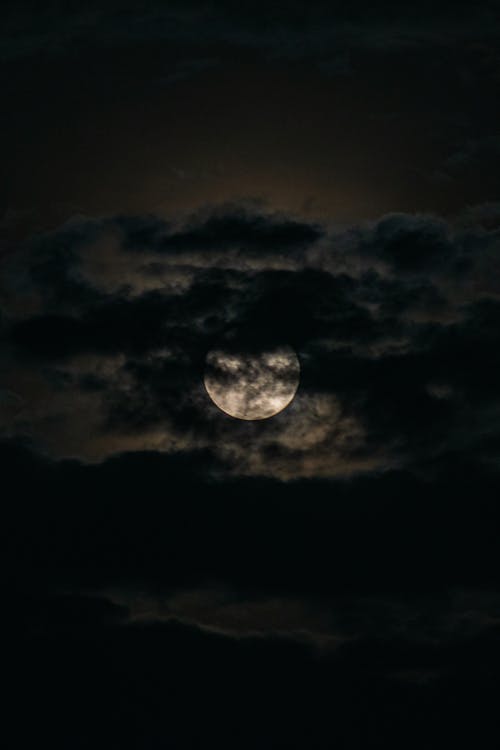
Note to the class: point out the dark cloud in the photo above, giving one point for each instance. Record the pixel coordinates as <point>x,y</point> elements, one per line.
<point>396,357</point>
<point>401,296</point>
<point>116,325</point>
<point>258,693</point>
<point>175,521</point>
<point>379,555</point>
<point>411,243</point>
<point>428,395</point>
<point>224,229</point>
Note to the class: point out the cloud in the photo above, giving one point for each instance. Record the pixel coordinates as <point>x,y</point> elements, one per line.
<point>178,521</point>
<point>411,243</point>
<point>224,228</point>
<point>260,690</point>
<point>148,588</point>
<point>395,324</point>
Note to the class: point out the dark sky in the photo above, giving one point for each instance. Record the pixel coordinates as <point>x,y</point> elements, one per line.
<point>319,175</point>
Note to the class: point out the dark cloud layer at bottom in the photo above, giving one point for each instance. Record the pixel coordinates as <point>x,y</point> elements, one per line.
<point>174,686</point>
<point>86,672</point>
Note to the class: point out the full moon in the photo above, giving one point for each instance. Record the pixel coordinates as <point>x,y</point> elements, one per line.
<point>254,385</point>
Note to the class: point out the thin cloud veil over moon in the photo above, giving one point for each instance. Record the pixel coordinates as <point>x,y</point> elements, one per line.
<point>255,385</point>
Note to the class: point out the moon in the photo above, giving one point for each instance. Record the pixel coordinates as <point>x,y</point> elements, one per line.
<point>252,385</point>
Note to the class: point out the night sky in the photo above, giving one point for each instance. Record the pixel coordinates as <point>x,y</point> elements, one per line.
<point>177,176</point>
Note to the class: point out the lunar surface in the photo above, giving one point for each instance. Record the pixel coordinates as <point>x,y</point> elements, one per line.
<point>254,385</point>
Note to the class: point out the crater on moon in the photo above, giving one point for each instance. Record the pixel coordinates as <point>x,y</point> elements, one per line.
<point>252,385</point>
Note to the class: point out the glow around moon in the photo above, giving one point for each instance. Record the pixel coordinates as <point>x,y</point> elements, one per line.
<point>254,385</point>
